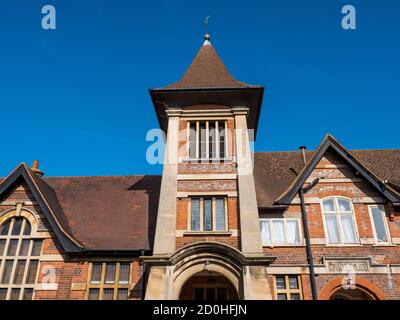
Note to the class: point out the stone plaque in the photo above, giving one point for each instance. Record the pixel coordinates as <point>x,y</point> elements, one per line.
<point>348,266</point>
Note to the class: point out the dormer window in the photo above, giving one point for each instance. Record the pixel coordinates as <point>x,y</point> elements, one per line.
<point>207,140</point>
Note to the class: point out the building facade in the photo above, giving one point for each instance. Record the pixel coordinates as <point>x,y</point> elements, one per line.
<point>221,223</point>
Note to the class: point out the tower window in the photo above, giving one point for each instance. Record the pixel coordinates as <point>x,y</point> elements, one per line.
<point>208,214</point>
<point>207,140</point>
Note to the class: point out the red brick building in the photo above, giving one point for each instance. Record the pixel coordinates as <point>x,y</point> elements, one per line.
<point>296,225</point>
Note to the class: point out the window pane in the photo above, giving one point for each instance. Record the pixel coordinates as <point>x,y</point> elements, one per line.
<point>2,246</point>
<point>19,271</point>
<point>344,205</point>
<point>280,282</point>
<point>195,215</point>
<point>378,217</point>
<point>96,273</point>
<point>110,273</point>
<point>24,249</point>
<point>220,214</point>
<point>293,282</point>
<point>37,247</point>
<point>210,294</point>
<point>5,279</point>
<point>265,233</point>
<point>94,294</point>
<point>222,293</point>
<point>5,228</point>
<point>332,229</point>
<point>12,248</point>
<point>27,228</point>
<point>108,294</point>
<point>15,294</point>
<point>192,138</point>
<point>221,129</point>
<point>28,294</point>
<point>207,215</point>
<point>278,233</point>
<point>294,296</point>
<point>122,294</point>
<point>32,271</point>
<point>329,205</point>
<point>17,227</point>
<point>282,296</point>
<point>124,273</point>
<point>203,140</point>
<point>349,230</point>
<point>211,136</point>
<point>198,294</point>
<point>3,294</point>
<point>292,231</point>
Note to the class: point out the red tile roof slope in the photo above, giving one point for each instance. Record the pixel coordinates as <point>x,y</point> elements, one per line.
<point>119,212</point>
<point>207,71</point>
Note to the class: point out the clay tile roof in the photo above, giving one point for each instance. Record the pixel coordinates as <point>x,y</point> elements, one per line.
<point>207,71</point>
<point>109,213</point>
<point>275,171</point>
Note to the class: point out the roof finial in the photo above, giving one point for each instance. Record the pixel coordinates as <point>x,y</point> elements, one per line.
<point>206,36</point>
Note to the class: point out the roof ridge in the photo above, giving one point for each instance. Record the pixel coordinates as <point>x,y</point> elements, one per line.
<point>105,176</point>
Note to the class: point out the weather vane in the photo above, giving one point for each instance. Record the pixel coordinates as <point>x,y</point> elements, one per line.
<point>206,23</point>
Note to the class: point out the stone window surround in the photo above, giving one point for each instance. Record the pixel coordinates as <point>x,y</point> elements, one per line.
<point>20,211</point>
<point>201,231</point>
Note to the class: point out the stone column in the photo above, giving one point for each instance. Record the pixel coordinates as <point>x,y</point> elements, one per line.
<point>249,218</point>
<point>255,281</point>
<point>165,237</point>
<point>159,285</point>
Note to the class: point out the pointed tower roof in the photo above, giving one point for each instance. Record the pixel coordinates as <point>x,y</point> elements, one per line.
<point>208,81</point>
<point>207,70</point>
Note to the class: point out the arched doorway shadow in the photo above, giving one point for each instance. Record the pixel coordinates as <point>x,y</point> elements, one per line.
<point>208,285</point>
<point>215,264</point>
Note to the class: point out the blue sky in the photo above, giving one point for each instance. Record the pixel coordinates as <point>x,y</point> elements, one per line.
<point>76,98</point>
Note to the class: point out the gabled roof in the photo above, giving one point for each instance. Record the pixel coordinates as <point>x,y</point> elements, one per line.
<point>48,202</point>
<point>330,142</point>
<point>95,214</point>
<point>207,71</point>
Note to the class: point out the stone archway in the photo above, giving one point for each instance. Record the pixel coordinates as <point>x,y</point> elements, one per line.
<point>202,260</point>
<point>208,285</point>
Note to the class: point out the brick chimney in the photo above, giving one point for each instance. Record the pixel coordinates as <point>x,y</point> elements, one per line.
<point>35,168</point>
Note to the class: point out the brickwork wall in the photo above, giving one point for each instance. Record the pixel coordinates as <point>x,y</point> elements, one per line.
<point>351,185</point>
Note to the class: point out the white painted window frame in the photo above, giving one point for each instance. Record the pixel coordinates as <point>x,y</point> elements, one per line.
<point>385,223</point>
<point>339,222</point>
<point>285,220</point>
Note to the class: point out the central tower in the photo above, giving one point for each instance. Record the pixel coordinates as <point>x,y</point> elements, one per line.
<point>207,222</point>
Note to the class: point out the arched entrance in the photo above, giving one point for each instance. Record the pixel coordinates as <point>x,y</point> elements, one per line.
<point>207,271</point>
<point>351,294</point>
<point>363,290</point>
<point>208,285</point>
